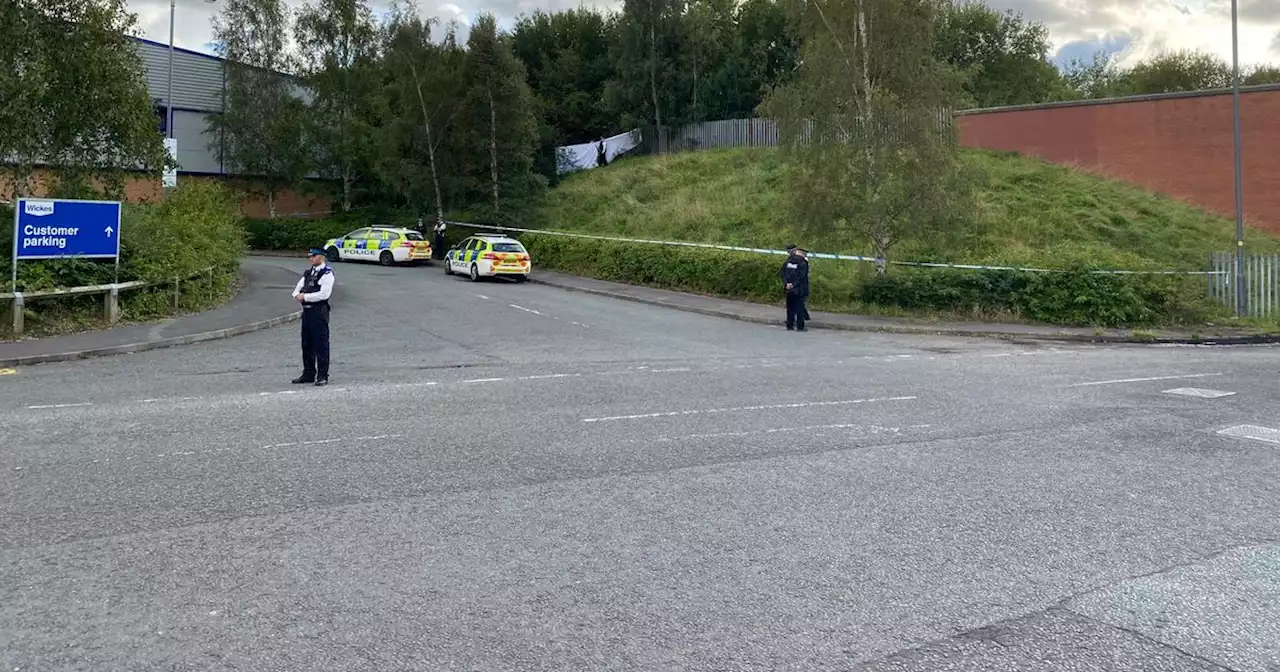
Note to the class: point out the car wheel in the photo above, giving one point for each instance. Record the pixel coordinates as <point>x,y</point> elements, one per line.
<point>332,255</point>
<point>386,258</point>
<point>448,267</point>
<point>475,273</point>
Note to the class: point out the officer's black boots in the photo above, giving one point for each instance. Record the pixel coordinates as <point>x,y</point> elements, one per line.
<point>322,382</point>
<point>304,378</point>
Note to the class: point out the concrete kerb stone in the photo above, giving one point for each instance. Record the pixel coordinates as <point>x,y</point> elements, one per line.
<point>1015,337</point>
<point>143,346</point>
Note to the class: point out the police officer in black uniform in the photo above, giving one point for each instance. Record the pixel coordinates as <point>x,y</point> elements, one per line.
<point>313,292</point>
<point>795,280</point>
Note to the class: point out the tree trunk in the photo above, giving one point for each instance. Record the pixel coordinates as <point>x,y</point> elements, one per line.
<point>493,148</point>
<point>271,203</point>
<point>431,145</point>
<point>653,72</point>
<point>348,179</point>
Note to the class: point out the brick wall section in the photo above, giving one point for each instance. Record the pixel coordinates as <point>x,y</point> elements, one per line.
<point>1179,145</point>
<point>143,190</point>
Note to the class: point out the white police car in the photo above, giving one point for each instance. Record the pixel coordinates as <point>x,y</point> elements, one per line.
<point>383,244</point>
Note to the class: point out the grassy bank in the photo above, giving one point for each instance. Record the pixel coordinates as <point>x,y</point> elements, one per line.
<point>1029,212</point>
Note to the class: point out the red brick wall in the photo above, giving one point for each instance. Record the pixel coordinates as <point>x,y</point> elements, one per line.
<point>1178,145</point>
<point>141,190</point>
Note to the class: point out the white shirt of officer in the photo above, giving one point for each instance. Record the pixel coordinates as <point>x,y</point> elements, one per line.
<point>326,285</point>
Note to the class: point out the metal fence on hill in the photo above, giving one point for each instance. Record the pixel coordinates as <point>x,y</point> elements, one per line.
<point>1261,283</point>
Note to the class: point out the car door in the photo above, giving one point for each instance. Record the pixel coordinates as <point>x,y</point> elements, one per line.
<point>460,254</point>
<point>353,245</point>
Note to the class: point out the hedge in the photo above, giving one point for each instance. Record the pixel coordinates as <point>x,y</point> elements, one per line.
<point>1074,297</point>
<point>198,226</point>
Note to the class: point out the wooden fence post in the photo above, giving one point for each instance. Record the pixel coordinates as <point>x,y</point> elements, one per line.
<point>17,314</point>
<point>176,282</point>
<point>111,305</point>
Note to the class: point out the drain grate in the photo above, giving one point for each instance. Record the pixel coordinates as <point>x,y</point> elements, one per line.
<point>1254,432</point>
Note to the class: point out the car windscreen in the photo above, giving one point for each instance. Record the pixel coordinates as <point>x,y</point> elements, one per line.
<point>413,235</point>
<point>508,247</point>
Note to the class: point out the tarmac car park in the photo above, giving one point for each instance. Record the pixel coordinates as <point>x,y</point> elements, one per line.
<point>383,244</point>
<point>489,255</point>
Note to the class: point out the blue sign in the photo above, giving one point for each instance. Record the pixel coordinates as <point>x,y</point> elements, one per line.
<point>57,228</point>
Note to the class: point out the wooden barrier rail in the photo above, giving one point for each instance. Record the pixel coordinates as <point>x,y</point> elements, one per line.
<point>110,292</point>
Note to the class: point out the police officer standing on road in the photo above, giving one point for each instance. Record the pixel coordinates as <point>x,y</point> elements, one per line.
<point>313,292</point>
<point>795,280</point>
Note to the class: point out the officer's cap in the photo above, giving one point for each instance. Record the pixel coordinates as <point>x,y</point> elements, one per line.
<point>791,247</point>
<point>314,251</point>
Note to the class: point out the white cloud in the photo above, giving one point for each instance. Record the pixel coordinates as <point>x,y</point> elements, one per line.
<point>1147,25</point>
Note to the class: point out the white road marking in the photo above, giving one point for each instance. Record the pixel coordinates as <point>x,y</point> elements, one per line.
<point>707,411</point>
<point>873,429</point>
<point>527,310</point>
<point>60,405</point>
<point>550,376</point>
<point>483,296</point>
<point>484,380</point>
<point>1254,432</point>
<point>320,442</point>
<point>1144,380</point>
<point>1199,392</point>
<point>672,370</point>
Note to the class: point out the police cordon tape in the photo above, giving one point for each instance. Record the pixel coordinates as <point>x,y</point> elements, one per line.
<point>814,255</point>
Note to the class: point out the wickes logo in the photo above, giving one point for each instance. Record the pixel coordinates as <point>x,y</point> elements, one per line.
<point>38,208</point>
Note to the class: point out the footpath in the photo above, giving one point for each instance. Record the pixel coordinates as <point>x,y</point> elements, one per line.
<point>775,315</point>
<point>264,302</point>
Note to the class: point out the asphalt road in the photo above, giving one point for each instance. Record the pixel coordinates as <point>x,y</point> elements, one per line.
<point>514,477</point>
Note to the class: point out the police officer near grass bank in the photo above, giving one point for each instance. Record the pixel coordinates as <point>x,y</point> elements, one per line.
<point>313,292</point>
<point>795,281</point>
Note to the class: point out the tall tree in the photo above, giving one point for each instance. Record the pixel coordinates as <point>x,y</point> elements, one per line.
<point>337,42</point>
<point>1098,77</point>
<point>1004,56</point>
<point>499,115</point>
<point>262,124</point>
<point>866,123</point>
<point>1176,71</point>
<point>768,48</point>
<point>73,96</point>
<point>645,87</point>
<point>423,95</point>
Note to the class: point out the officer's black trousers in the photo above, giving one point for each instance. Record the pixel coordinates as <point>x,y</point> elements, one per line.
<point>796,311</point>
<point>315,341</point>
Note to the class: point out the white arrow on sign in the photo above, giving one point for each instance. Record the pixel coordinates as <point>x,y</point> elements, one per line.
<point>108,232</point>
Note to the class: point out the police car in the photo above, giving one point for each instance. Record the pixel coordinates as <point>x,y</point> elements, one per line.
<point>489,255</point>
<point>383,244</point>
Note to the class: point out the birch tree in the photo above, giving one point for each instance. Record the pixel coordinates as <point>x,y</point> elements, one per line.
<point>337,41</point>
<point>260,133</point>
<point>423,89</point>
<point>499,112</point>
<point>73,97</point>
<point>866,122</point>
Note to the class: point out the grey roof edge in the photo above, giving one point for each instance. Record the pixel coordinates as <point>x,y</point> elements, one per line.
<point>1144,98</point>
<point>209,57</point>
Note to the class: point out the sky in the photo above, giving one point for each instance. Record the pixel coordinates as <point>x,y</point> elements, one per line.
<point>1130,29</point>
